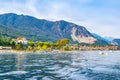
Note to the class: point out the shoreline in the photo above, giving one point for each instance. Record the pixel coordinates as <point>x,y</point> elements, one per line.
<point>55,51</point>
<point>15,51</point>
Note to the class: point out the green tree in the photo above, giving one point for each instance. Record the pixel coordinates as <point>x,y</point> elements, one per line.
<point>5,41</point>
<point>12,43</point>
<point>29,48</point>
<point>31,43</point>
<point>19,46</point>
<point>40,44</point>
<point>44,47</point>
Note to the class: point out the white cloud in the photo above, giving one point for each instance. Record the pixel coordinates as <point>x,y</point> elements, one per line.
<point>32,10</point>
<point>11,7</point>
<point>102,20</point>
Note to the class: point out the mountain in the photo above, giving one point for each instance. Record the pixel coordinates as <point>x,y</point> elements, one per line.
<point>100,40</point>
<point>98,37</point>
<point>115,42</point>
<point>14,25</point>
<point>109,38</point>
<point>6,31</point>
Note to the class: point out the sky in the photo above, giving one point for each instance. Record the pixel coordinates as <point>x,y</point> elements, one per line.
<point>98,16</point>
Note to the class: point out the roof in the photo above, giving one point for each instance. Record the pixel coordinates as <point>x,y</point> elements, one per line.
<point>21,38</point>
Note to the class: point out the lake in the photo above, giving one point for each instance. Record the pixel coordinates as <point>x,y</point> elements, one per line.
<point>74,65</point>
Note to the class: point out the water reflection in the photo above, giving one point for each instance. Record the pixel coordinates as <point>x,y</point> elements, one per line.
<point>20,61</point>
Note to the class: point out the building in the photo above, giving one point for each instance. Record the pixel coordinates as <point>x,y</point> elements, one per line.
<point>5,48</point>
<point>0,47</point>
<point>21,40</point>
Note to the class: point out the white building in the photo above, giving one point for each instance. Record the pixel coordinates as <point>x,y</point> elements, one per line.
<point>5,48</point>
<point>21,40</point>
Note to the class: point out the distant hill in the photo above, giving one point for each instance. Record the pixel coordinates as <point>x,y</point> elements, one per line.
<point>109,38</point>
<point>100,38</point>
<point>115,42</point>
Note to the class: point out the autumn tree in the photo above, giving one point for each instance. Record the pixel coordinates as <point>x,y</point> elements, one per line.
<point>62,42</point>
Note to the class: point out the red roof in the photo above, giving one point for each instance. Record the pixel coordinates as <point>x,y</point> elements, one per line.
<point>20,38</point>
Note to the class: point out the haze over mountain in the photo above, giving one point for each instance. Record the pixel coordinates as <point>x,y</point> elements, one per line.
<point>115,42</point>
<point>101,38</point>
<point>14,25</point>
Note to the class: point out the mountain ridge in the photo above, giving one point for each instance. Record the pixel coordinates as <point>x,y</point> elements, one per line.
<point>116,42</point>
<point>44,30</point>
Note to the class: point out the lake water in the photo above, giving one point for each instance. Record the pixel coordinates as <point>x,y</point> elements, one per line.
<point>77,65</point>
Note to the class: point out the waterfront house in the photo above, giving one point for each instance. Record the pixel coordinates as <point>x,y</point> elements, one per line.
<point>21,40</point>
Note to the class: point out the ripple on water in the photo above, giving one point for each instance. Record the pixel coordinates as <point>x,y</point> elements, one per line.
<point>14,73</point>
<point>67,66</point>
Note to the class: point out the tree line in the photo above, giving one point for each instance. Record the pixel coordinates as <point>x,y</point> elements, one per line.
<point>62,44</point>
<point>35,45</point>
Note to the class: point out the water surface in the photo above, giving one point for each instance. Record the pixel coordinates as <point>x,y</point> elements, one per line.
<point>77,65</point>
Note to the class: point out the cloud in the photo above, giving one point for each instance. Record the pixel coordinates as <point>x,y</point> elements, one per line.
<point>32,10</point>
<point>11,6</point>
<point>99,16</point>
